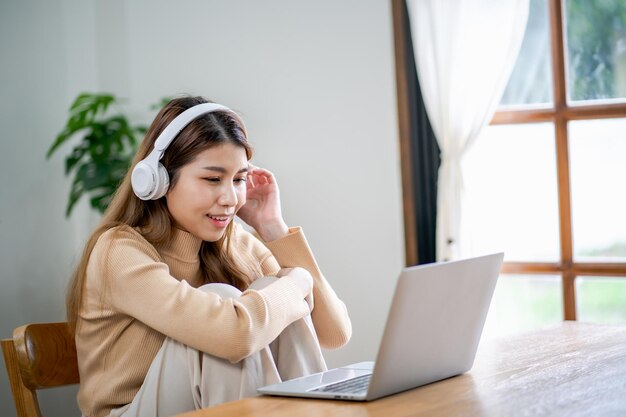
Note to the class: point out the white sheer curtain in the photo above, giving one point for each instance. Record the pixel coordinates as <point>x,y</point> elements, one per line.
<point>465,51</point>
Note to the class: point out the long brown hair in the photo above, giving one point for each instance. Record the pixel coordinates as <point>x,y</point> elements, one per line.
<point>151,218</point>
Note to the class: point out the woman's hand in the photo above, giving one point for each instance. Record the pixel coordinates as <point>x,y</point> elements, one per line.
<point>262,209</point>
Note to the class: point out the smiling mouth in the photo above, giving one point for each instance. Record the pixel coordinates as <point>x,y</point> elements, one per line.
<point>218,218</point>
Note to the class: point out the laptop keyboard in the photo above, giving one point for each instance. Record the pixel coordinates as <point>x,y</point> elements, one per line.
<point>356,385</point>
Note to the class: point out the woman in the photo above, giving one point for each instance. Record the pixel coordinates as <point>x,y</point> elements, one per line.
<point>174,306</point>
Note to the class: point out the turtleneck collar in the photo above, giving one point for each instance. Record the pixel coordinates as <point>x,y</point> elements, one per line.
<point>182,246</point>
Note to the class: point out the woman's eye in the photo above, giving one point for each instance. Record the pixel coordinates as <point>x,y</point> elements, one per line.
<point>240,180</point>
<point>212,179</point>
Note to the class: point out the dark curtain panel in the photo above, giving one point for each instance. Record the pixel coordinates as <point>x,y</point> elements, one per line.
<point>425,157</point>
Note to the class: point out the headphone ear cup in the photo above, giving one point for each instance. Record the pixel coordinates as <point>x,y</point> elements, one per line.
<point>143,180</point>
<point>162,183</point>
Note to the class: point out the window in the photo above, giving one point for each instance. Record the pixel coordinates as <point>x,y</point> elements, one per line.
<point>545,180</point>
<point>558,145</point>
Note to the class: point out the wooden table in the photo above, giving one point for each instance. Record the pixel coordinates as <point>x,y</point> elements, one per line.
<point>573,369</point>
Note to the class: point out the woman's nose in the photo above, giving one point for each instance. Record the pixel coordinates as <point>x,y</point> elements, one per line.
<point>228,197</point>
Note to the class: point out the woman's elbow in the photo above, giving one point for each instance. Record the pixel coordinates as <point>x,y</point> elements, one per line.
<point>236,356</point>
<point>336,339</point>
<point>237,351</point>
<point>246,344</point>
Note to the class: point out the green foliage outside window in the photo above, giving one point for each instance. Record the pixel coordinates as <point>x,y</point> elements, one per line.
<point>596,44</point>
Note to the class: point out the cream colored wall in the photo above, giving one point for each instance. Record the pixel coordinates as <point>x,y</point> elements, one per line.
<point>313,80</point>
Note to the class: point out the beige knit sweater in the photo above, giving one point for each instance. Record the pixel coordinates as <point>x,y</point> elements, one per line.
<point>137,294</point>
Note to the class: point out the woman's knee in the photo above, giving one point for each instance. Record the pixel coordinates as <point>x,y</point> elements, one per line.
<point>262,282</point>
<point>228,291</point>
<point>223,290</point>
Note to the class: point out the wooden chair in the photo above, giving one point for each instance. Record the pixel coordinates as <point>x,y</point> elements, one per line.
<point>41,355</point>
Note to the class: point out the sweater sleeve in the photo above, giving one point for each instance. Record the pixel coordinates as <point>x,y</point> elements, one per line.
<point>139,284</point>
<point>330,316</point>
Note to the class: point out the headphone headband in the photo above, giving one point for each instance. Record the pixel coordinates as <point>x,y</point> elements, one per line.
<point>149,178</point>
<point>182,120</point>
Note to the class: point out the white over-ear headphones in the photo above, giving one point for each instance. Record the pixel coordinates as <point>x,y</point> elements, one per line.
<point>149,178</point>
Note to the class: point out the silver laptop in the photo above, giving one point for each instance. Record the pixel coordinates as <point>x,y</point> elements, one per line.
<point>432,333</point>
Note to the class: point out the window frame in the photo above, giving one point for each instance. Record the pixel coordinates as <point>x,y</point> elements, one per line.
<point>559,115</point>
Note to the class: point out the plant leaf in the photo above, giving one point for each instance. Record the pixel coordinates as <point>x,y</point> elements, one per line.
<point>107,145</point>
<point>101,201</point>
<point>75,193</point>
<point>82,114</point>
<point>77,153</point>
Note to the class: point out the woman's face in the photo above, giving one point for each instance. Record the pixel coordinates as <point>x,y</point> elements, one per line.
<point>209,191</point>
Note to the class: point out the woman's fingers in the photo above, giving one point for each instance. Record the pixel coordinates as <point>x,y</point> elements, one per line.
<point>249,181</point>
<point>261,180</point>
<point>262,174</point>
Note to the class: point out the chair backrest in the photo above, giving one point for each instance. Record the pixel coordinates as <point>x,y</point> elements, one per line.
<point>40,355</point>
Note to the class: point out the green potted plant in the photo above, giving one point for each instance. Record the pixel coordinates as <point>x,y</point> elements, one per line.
<point>103,155</point>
